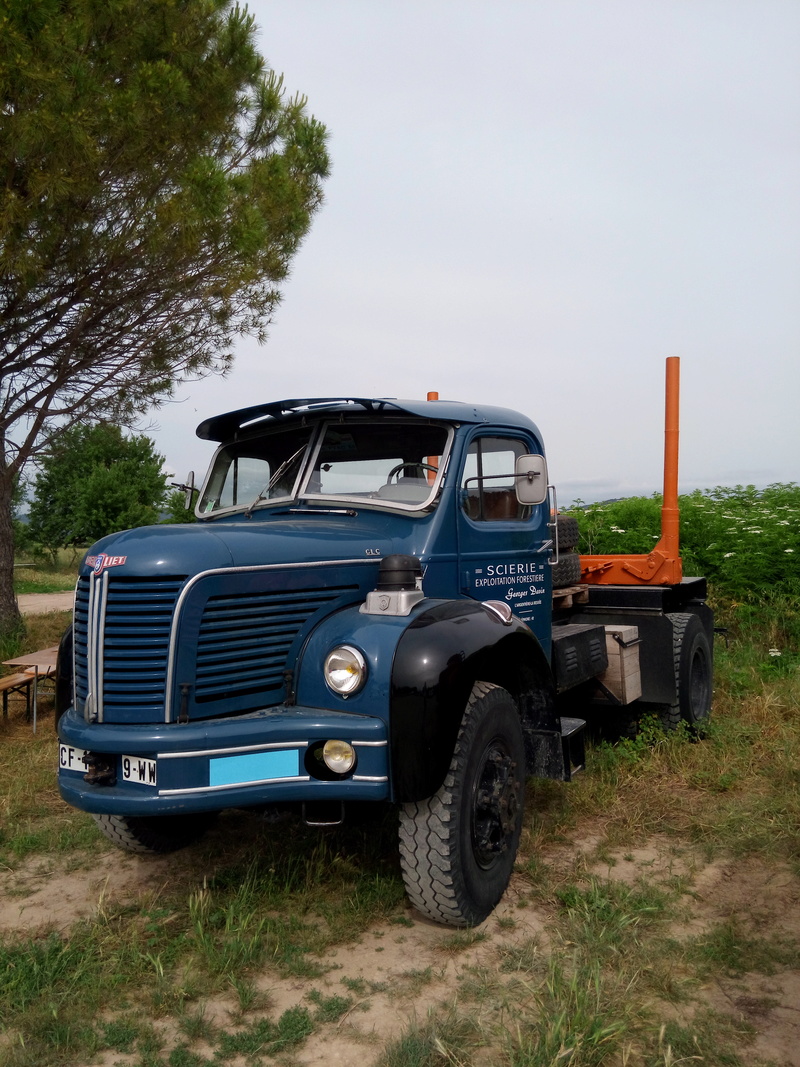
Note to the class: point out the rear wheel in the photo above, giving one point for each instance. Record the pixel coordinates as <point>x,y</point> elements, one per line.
<point>154,833</point>
<point>457,848</point>
<point>693,673</point>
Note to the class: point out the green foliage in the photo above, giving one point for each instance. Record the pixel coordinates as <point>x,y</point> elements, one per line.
<point>629,525</point>
<point>30,970</point>
<point>17,500</point>
<point>710,1041</point>
<point>328,1009</point>
<point>609,913</point>
<point>157,181</point>
<point>577,1021</point>
<point>119,1034</point>
<point>176,510</point>
<point>728,949</point>
<point>438,1041</point>
<point>266,1038</point>
<point>744,540</point>
<point>46,571</point>
<point>95,481</point>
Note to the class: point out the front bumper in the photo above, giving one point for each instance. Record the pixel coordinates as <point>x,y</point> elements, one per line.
<point>242,761</point>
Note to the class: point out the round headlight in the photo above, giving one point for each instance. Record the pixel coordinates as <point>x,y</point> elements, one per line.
<point>338,756</point>
<point>345,670</point>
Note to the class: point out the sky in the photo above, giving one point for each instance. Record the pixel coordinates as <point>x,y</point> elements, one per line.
<point>532,204</point>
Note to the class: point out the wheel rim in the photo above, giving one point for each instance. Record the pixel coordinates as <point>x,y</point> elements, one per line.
<point>495,806</point>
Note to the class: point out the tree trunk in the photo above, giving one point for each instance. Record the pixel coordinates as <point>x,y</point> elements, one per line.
<point>10,618</point>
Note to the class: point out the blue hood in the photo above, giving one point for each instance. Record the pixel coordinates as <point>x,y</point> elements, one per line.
<point>303,538</point>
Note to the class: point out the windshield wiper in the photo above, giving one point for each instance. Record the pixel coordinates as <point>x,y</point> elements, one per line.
<point>323,511</point>
<point>282,469</point>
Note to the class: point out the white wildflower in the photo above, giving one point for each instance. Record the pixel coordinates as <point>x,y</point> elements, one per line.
<point>774,652</point>
<point>788,550</point>
<point>728,555</point>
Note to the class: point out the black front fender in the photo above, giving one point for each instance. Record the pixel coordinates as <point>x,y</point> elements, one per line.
<point>440,656</point>
<point>63,678</point>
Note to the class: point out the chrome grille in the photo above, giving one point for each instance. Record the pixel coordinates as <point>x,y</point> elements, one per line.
<point>244,639</point>
<point>128,638</point>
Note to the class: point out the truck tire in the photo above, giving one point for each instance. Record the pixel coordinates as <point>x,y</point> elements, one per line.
<point>457,848</point>
<point>567,571</point>
<point>568,532</point>
<point>154,833</point>
<point>693,673</point>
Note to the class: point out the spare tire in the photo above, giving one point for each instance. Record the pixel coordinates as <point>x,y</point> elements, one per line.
<point>567,571</point>
<point>568,532</point>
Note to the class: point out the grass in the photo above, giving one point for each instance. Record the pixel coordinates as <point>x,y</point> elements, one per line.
<point>608,982</point>
<point>39,631</point>
<point>576,1018</point>
<point>438,1041</point>
<point>34,574</point>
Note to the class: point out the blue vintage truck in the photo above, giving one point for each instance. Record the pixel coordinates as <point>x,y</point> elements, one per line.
<point>372,607</point>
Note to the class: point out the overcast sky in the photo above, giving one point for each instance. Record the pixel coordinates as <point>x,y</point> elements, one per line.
<point>532,204</point>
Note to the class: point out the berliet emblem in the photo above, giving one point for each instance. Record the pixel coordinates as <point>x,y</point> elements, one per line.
<point>102,562</point>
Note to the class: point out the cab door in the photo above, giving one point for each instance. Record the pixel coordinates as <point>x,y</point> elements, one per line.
<point>503,546</point>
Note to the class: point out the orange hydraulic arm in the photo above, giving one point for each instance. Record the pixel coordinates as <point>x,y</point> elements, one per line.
<point>663,565</point>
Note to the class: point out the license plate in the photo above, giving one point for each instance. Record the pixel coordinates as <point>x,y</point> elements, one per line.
<point>72,759</point>
<point>136,769</point>
<point>254,767</point>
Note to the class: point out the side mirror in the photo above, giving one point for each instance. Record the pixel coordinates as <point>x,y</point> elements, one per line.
<point>530,479</point>
<point>189,487</point>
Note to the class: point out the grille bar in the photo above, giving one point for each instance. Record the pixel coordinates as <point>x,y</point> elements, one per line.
<point>122,644</point>
<point>244,640</point>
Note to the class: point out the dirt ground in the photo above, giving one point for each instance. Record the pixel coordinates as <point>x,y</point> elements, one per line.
<point>41,603</point>
<point>405,970</point>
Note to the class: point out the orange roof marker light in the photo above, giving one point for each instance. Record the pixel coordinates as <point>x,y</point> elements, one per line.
<point>663,565</point>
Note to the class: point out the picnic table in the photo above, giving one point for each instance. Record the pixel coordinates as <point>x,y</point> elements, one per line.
<point>38,664</point>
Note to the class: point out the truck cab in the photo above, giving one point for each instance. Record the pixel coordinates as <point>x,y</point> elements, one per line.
<point>363,613</point>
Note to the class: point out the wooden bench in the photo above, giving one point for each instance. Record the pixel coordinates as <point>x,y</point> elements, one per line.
<point>17,683</point>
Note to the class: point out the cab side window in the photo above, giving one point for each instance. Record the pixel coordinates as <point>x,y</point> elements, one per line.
<point>487,485</point>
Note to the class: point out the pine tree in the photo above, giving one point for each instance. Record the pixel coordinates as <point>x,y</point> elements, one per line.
<point>156,183</point>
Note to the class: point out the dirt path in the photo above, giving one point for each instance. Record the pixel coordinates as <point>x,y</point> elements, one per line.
<point>41,603</point>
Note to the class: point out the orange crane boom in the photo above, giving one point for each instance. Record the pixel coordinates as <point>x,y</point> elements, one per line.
<point>663,565</point>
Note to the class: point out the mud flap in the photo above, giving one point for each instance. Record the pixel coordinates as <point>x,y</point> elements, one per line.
<point>558,754</point>
<point>572,746</point>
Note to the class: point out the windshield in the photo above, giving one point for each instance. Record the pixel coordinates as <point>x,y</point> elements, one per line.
<point>393,463</point>
<point>247,472</point>
<point>397,463</point>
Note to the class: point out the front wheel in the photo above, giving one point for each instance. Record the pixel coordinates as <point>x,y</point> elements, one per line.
<point>457,848</point>
<point>154,833</point>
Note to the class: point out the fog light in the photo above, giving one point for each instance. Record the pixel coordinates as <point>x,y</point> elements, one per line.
<point>338,756</point>
<point>345,670</point>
